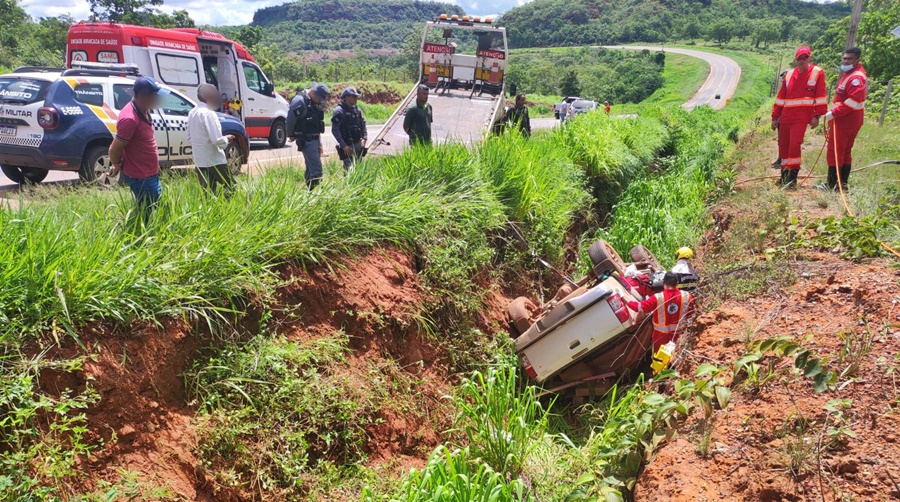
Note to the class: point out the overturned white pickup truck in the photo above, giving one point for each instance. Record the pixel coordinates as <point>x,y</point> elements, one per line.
<point>586,336</point>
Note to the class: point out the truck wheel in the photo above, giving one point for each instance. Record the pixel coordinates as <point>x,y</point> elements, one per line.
<point>605,258</point>
<point>95,163</point>
<point>24,175</point>
<point>519,311</point>
<point>640,254</point>
<point>278,134</point>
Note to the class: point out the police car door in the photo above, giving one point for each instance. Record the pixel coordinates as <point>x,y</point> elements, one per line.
<point>121,97</point>
<point>175,109</point>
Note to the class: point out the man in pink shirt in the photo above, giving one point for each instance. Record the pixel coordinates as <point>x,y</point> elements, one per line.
<point>133,151</point>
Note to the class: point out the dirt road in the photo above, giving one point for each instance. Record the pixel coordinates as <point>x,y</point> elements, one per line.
<point>724,75</point>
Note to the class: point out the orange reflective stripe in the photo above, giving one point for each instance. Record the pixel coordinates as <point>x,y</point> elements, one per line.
<point>814,75</point>
<point>787,78</point>
<point>660,310</point>
<point>685,300</point>
<point>856,105</point>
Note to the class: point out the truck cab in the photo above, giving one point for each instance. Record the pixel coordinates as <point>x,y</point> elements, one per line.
<point>185,58</point>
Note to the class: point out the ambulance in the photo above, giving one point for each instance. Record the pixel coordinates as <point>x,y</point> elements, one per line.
<point>183,59</point>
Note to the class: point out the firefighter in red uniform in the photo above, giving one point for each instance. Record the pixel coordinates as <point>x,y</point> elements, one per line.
<point>670,310</point>
<point>845,118</point>
<point>801,100</point>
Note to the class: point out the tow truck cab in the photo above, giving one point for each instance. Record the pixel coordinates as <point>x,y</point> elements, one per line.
<point>185,58</point>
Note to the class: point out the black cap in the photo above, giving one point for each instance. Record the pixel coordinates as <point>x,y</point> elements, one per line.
<point>350,91</point>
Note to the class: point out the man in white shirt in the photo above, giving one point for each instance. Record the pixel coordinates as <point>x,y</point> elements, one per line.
<point>204,133</point>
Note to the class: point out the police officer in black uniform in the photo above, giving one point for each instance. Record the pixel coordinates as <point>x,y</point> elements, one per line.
<point>305,124</point>
<point>348,125</point>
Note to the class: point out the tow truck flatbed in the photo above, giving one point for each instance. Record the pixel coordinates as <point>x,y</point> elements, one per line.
<point>467,90</point>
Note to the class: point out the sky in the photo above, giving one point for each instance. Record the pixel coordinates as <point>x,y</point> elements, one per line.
<point>231,12</point>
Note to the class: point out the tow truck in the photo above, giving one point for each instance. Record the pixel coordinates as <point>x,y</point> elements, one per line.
<point>584,338</point>
<point>463,60</point>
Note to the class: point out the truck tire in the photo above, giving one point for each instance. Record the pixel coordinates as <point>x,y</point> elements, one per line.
<point>233,158</point>
<point>640,254</point>
<point>278,134</point>
<point>605,258</point>
<point>95,163</point>
<point>519,311</point>
<point>24,175</point>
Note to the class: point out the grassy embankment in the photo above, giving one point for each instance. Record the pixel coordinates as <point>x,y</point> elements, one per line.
<point>69,262</point>
<point>386,96</point>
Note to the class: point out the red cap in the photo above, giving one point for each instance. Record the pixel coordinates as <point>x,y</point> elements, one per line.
<point>803,51</point>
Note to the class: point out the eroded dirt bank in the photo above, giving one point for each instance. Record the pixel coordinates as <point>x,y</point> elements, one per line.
<point>146,418</point>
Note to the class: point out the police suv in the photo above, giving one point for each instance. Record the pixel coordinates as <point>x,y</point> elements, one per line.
<point>65,120</point>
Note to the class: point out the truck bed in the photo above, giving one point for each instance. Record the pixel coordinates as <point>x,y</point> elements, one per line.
<point>458,116</point>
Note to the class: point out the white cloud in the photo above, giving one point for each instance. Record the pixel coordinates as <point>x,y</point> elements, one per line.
<point>215,13</point>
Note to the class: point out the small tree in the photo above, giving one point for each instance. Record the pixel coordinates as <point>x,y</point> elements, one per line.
<point>120,10</point>
<point>568,84</point>
<point>722,31</point>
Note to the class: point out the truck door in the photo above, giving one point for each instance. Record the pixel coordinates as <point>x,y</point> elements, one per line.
<point>121,97</point>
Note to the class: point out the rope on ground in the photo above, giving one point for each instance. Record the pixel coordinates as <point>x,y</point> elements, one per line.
<point>876,164</point>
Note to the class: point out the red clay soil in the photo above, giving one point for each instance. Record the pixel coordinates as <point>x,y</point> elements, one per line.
<point>373,93</point>
<point>751,441</point>
<point>142,416</point>
<point>148,426</point>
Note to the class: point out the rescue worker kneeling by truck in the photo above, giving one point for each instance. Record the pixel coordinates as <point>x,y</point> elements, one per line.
<point>687,274</point>
<point>670,311</point>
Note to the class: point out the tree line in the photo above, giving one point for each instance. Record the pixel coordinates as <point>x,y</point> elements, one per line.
<point>592,73</point>
<point>544,23</point>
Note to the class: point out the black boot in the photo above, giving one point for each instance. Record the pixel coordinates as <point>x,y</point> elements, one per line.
<point>312,184</point>
<point>777,163</point>
<point>830,184</point>
<point>845,176</point>
<point>783,179</point>
<point>791,179</point>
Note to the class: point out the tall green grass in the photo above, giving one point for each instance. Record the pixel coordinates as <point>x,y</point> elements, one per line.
<point>69,259</point>
<point>667,209</point>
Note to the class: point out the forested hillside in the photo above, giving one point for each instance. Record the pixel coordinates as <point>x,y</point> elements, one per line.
<point>593,73</point>
<point>336,24</point>
<point>543,23</point>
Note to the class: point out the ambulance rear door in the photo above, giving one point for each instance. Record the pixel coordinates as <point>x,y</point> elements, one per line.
<point>221,67</point>
<point>180,69</point>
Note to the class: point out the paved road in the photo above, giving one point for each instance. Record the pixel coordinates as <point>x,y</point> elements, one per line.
<point>261,158</point>
<point>724,75</point>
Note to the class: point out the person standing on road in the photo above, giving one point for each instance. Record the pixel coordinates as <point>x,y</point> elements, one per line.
<point>306,124</point>
<point>670,309</point>
<point>348,126</point>
<point>517,116</point>
<point>417,123</point>
<point>133,151</point>
<point>801,100</point>
<point>204,133</point>
<point>845,118</point>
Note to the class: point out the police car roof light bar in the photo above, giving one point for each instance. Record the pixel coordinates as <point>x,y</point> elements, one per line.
<point>76,72</point>
<point>129,68</point>
<point>38,69</point>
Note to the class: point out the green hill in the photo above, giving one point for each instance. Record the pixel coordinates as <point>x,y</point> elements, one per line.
<point>346,24</point>
<point>543,23</point>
